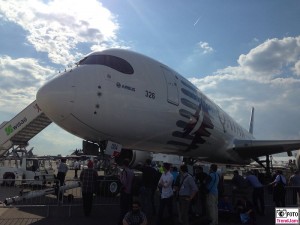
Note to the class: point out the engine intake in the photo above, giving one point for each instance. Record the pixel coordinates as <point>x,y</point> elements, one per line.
<point>135,157</point>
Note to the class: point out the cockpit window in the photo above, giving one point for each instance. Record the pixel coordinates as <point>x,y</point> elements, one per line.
<point>113,62</point>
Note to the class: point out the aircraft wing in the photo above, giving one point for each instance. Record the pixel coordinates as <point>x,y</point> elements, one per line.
<point>256,148</point>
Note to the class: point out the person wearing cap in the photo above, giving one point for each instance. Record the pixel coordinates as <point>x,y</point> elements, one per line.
<point>88,178</point>
<point>166,197</point>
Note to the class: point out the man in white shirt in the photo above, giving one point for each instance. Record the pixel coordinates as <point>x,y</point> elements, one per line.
<point>76,167</point>
<point>165,183</point>
<point>62,170</point>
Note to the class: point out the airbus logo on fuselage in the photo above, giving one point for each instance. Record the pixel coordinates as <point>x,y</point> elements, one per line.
<point>119,85</point>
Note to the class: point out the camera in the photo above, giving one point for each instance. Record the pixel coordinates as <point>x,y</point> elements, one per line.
<point>281,213</point>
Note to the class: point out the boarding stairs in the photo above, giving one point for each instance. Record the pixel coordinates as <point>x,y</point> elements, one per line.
<point>20,129</point>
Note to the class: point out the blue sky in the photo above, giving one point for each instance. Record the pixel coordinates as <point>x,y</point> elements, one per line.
<point>239,53</point>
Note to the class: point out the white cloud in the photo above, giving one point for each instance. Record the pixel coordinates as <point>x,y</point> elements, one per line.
<point>103,46</point>
<point>20,80</point>
<point>57,27</point>
<point>296,69</point>
<point>271,57</point>
<point>61,29</point>
<point>265,79</point>
<point>204,47</point>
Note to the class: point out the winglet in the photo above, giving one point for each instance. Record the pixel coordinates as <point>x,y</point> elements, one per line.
<point>251,121</point>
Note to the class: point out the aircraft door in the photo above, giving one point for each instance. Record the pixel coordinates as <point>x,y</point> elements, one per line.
<point>172,87</point>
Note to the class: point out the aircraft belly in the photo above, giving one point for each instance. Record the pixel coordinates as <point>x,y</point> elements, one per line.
<point>81,129</point>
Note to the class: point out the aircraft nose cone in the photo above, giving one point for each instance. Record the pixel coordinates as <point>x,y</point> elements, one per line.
<point>55,98</point>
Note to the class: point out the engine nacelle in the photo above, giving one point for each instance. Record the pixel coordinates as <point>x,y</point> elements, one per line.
<point>135,157</point>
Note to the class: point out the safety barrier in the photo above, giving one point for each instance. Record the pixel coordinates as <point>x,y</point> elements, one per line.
<point>14,194</point>
<point>290,198</point>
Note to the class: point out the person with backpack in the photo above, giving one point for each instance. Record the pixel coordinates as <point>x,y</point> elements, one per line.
<point>187,190</point>
<point>279,189</point>
<point>212,195</point>
<point>126,178</point>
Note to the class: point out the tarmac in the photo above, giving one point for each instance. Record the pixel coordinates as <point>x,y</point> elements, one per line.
<point>58,215</point>
<point>101,215</point>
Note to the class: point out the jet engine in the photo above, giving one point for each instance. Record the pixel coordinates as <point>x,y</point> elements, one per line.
<point>135,157</point>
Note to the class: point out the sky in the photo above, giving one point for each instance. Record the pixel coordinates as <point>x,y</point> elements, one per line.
<point>238,53</point>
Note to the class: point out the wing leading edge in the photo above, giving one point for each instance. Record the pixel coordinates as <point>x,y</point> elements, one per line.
<point>247,149</point>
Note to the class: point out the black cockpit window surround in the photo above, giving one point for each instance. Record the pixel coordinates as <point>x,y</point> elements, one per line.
<point>111,61</point>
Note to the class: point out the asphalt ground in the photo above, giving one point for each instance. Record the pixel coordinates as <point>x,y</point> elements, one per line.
<point>101,215</point>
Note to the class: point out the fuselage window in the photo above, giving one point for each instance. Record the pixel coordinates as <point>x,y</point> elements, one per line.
<point>113,62</point>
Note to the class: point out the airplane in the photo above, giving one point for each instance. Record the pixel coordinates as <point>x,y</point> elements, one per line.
<point>131,101</point>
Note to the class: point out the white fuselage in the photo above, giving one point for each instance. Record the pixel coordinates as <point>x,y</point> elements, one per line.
<point>151,108</point>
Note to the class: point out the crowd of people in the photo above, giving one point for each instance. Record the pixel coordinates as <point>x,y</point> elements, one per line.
<point>178,190</point>
<point>184,196</point>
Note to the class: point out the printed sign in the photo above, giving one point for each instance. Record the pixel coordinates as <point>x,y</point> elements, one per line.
<point>286,216</point>
<point>112,148</point>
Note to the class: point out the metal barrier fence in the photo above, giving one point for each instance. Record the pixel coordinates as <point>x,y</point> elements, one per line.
<point>291,199</point>
<point>21,194</point>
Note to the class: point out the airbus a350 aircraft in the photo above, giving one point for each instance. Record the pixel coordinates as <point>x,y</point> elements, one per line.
<point>137,102</point>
